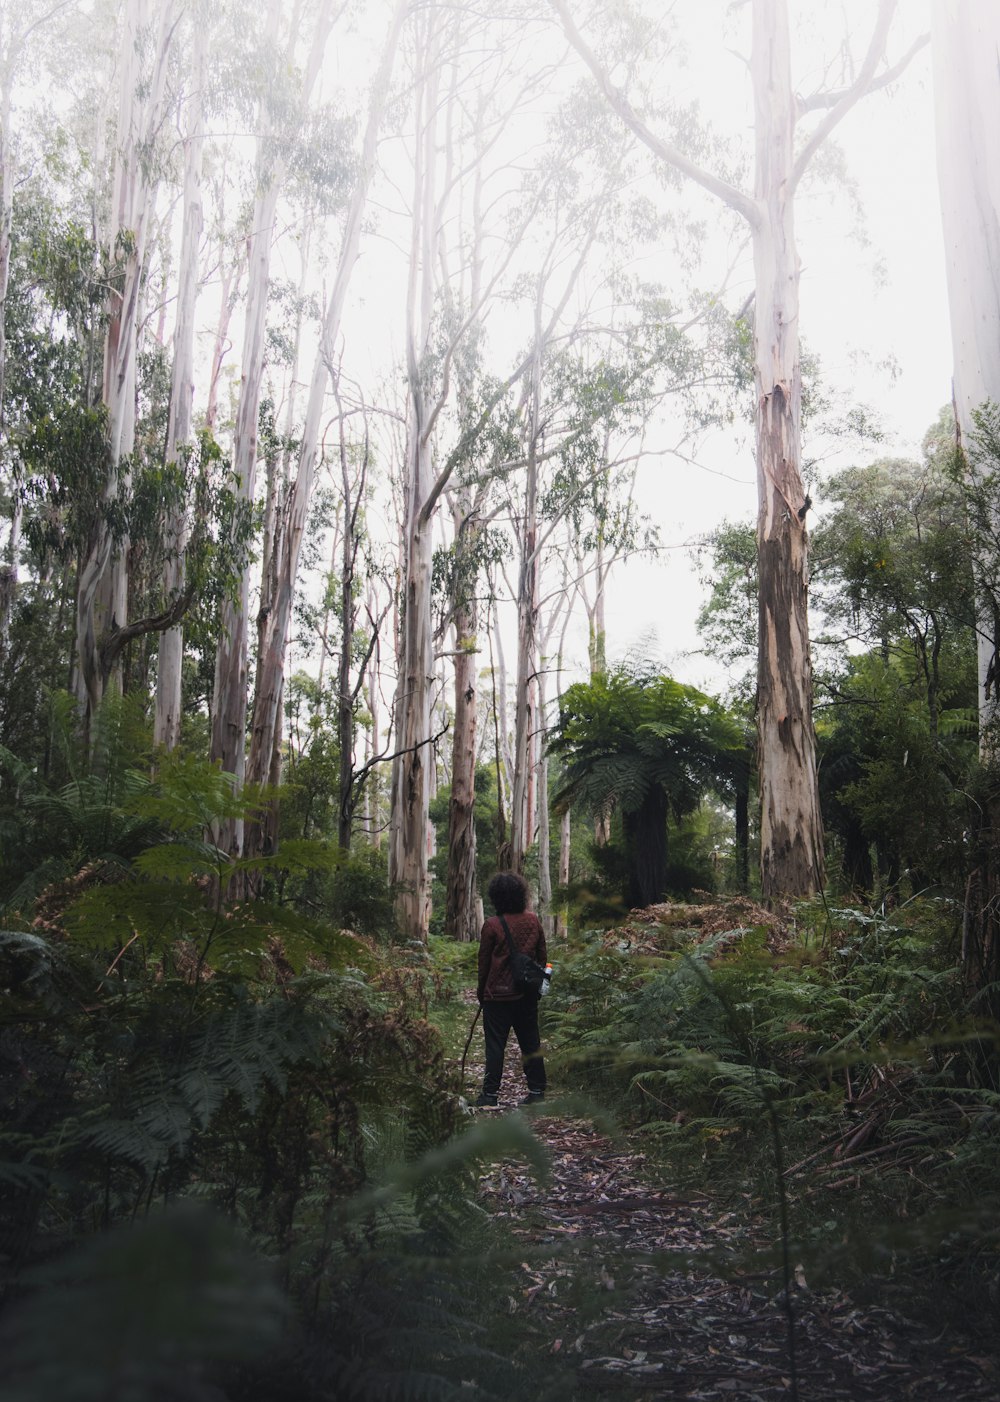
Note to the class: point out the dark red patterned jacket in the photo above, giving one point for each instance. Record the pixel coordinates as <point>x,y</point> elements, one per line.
<point>496,984</point>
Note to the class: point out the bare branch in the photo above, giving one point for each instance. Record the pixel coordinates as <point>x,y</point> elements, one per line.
<point>362,773</point>
<point>821,100</point>
<point>730,195</point>
<point>850,96</point>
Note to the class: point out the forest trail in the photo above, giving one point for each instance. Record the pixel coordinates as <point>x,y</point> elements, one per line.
<point>619,1294</point>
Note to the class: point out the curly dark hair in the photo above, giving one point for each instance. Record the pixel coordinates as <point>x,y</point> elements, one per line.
<point>508,893</point>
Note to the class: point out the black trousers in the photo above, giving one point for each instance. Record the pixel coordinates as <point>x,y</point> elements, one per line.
<point>521,1015</point>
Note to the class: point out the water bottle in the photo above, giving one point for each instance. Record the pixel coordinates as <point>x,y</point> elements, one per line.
<point>545,980</point>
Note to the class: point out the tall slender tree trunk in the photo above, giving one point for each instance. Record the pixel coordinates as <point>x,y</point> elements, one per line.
<point>791,825</point>
<point>229,708</point>
<point>965,45</point>
<point>229,698</point>
<point>791,829</point>
<point>167,715</point>
<point>372,816</point>
<point>102,604</point>
<point>504,758</point>
<point>408,869</point>
<point>544,860</point>
<point>410,793</point>
<point>345,707</point>
<point>232,277</point>
<point>459,922</point>
<point>353,496</point>
<point>8,573</point>
<point>266,708</point>
<point>527,619</point>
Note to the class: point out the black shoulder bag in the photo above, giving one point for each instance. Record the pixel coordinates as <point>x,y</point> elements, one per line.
<point>528,973</point>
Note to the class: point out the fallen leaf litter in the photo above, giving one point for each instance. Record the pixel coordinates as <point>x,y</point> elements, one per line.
<point>662,1326</point>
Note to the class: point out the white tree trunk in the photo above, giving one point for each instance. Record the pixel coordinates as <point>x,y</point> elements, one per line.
<point>101,588</point>
<point>266,712</point>
<point>229,703</point>
<point>791,829</point>
<point>7,180</point>
<point>791,826</point>
<point>231,278</point>
<point>167,717</point>
<point>408,871</point>
<point>505,759</point>
<point>460,916</point>
<point>229,699</point>
<point>527,620</point>
<point>544,864</point>
<point>966,50</point>
<point>371,807</point>
<point>8,573</point>
<point>410,793</point>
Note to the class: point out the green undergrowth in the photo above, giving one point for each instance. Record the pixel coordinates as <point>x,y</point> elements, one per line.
<point>837,1045</point>
<point>234,1162</point>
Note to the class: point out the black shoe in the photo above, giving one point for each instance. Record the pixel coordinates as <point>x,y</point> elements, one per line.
<point>533,1097</point>
<point>485,1101</point>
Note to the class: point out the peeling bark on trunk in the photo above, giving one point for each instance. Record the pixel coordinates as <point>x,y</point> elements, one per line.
<point>791,832</point>
<point>791,826</point>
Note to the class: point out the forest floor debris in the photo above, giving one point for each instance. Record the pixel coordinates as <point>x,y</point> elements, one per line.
<point>663,1326</point>
<point>656,928</point>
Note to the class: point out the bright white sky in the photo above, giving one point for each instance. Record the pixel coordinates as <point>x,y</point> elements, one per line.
<point>873,291</point>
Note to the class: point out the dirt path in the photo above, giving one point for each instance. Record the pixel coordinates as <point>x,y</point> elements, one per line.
<point>662,1328</point>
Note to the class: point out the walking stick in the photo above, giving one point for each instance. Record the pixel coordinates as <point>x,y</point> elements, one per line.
<point>468,1043</point>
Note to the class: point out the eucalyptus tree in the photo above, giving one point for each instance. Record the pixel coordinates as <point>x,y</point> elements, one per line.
<point>602,387</point>
<point>275,634</point>
<point>966,40</point>
<point>791,826</point>
<point>167,711</point>
<point>281,111</point>
<point>443,39</point>
<point>102,587</point>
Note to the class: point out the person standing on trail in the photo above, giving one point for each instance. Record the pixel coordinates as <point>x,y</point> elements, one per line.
<point>505,1007</point>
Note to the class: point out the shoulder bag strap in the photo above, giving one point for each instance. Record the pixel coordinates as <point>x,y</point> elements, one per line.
<point>510,942</point>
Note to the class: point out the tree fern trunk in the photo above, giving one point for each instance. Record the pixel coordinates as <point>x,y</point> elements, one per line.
<point>646,848</point>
